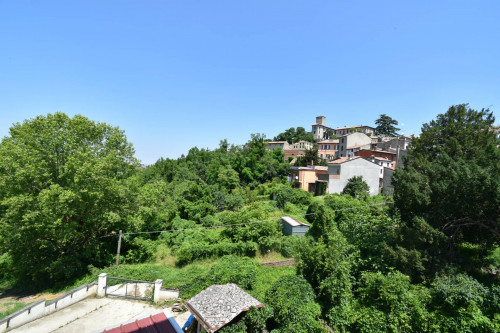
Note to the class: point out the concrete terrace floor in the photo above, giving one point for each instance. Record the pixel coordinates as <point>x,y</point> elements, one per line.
<point>94,314</point>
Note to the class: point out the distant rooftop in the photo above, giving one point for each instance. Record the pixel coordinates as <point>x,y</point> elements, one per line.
<point>310,168</point>
<point>348,127</point>
<point>344,159</point>
<point>328,141</point>
<point>218,305</point>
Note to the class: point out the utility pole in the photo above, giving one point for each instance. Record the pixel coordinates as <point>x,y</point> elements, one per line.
<point>118,250</point>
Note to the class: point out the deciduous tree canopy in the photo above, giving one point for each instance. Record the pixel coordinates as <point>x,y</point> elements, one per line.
<point>61,188</point>
<point>293,135</point>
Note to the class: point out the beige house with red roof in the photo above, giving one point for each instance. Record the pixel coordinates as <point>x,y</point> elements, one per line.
<point>309,178</point>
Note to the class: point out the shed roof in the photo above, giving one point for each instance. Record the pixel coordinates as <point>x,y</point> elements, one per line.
<point>293,222</point>
<point>218,305</point>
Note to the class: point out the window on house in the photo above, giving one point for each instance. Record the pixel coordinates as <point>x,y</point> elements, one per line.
<point>342,140</point>
<point>338,171</point>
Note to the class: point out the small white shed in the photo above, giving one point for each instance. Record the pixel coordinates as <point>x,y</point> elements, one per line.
<point>293,227</point>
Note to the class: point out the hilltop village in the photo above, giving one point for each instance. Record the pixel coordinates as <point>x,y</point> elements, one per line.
<point>343,153</point>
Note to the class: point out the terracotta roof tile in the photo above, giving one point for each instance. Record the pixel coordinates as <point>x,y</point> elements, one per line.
<point>157,323</point>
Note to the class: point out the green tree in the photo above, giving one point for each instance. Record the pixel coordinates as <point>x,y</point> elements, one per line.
<point>228,178</point>
<point>356,187</point>
<point>457,302</point>
<point>386,126</point>
<point>449,191</point>
<point>283,196</point>
<point>390,303</point>
<point>329,134</point>
<point>293,302</point>
<point>293,135</point>
<point>62,188</point>
<point>310,158</point>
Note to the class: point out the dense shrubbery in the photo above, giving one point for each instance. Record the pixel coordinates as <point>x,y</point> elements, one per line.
<point>292,300</point>
<point>366,265</point>
<point>189,252</point>
<point>229,269</point>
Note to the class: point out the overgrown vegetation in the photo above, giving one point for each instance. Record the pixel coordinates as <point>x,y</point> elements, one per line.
<point>427,261</point>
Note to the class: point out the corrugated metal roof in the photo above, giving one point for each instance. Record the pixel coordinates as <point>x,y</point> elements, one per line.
<point>157,323</point>
<point>291,221</point>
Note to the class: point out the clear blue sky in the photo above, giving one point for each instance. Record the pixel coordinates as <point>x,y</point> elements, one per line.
<point>178,74</point>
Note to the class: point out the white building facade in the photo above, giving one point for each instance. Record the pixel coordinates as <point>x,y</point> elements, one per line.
<point>341,170</point>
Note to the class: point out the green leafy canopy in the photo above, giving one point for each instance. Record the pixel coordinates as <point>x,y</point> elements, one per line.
<point>61,188</point>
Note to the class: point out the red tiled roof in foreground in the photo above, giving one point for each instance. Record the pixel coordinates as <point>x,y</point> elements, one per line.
<point>158,323</point>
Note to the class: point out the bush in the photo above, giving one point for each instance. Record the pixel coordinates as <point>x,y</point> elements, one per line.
<point>5,265</point>
<point>356,187</point>
<point>233,269</point>
<point>457,301</point>
<point>209,221</point>
<point>290,246</point>
<point>239,327</point>
<point>189,252</point>
<point>457,291</point>
<point>140,250</point>
<point>229,269</point>
<point>293,302</point>
<point>401,305</point>
<point>301,197</point>
<point>283,195</point>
